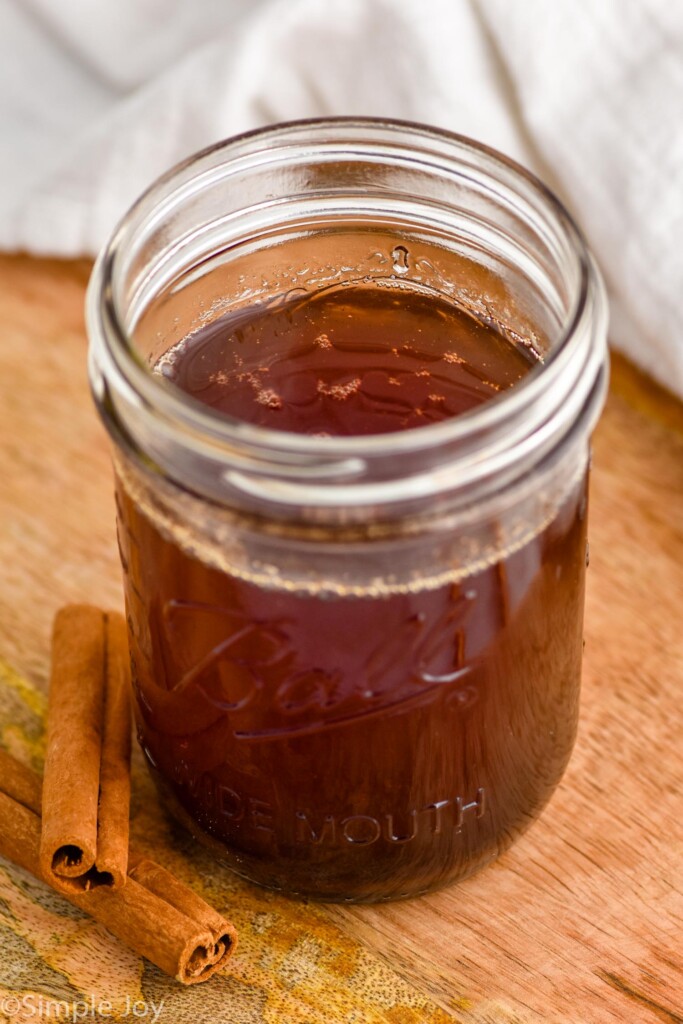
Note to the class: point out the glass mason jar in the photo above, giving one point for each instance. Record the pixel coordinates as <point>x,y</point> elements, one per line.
<point>356,659</point>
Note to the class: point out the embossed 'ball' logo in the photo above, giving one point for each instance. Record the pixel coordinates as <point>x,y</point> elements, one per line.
<point>252,670</point>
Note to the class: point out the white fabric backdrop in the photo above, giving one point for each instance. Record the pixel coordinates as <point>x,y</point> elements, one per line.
<point>97,97</point>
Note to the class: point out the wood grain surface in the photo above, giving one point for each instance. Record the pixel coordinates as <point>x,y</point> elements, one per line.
<point>582,920</point>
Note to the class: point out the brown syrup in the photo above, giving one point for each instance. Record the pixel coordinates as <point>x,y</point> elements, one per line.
<point>355,747</point>
<point>347,361</point>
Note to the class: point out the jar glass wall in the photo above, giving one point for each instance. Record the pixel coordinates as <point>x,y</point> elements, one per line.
<point>356,658</point>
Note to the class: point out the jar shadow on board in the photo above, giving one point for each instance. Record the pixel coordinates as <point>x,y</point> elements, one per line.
<point>350,369</point>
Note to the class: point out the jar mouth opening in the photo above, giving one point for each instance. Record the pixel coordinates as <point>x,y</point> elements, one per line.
<point>502,421</point>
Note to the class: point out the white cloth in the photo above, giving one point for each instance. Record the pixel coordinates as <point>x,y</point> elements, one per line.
<point>98,97</point>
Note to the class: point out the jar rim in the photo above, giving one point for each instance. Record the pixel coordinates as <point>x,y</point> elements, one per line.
<point>476,438</point>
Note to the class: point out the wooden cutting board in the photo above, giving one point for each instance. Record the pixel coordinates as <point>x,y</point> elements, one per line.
<point>581,921</point>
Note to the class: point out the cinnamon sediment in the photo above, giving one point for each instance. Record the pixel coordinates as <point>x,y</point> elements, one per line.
<point>153,913</point>
<point>86,787</point>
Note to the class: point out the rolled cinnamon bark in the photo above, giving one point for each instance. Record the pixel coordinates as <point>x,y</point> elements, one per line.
<point>20,783</point>
<point>157,880</point>
<point>71,782</point>
<point>86,787</point>
<point>153,913</point>
<point>114,803</point>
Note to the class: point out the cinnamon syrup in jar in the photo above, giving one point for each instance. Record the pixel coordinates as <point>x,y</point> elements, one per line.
<point>345,743</point>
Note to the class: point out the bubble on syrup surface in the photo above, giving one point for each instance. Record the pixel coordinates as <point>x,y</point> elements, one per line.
<point>400,257</point>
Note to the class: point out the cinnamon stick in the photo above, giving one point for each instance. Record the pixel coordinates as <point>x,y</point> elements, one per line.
<point>114,804</point>
<point>153,913</point>
<point>157,880</point>
<point>19,782</point>
<point>86,789</point>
